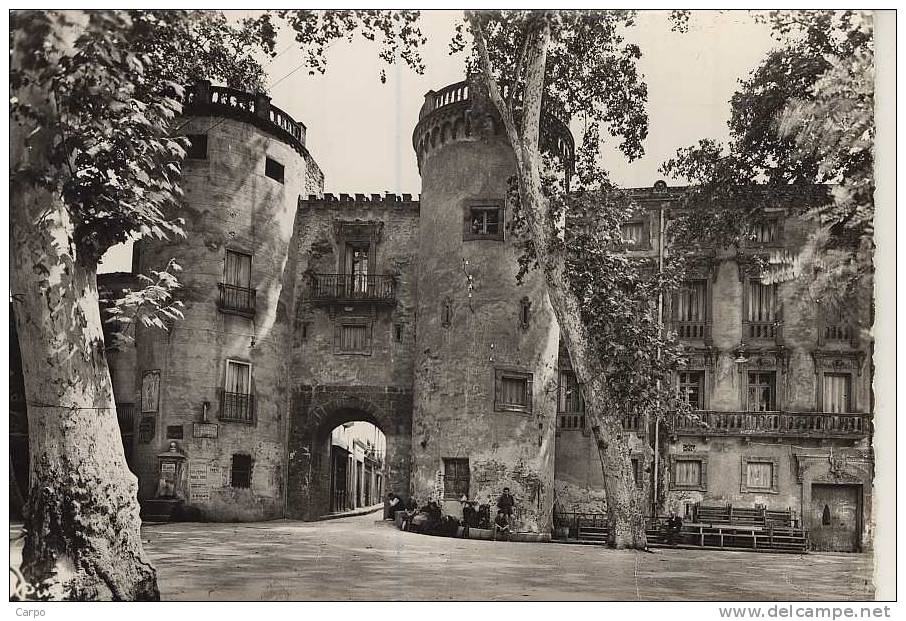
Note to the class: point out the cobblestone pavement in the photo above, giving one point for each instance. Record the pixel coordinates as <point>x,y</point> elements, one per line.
<point>360,558</point>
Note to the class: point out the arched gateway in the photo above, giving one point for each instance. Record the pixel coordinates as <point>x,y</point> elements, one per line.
<point>317,410</point>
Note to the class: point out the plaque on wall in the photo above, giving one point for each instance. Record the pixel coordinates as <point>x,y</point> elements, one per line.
<point>150,390</point>
<point>146,429</point>
<point>204,430</point>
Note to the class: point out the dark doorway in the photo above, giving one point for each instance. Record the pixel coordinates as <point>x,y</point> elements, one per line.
<point>836,517</point>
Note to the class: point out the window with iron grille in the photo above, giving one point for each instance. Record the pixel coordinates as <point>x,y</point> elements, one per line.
<point>762,391</point>
<point>456,478</point>
<point>241,471</point>
<point>237,401</point>
<point>198,147</point>
<point>837,393</point>
<point>273,169</point>
<point>483,220</point>
<point>513,391</point>
<point>691,388</point>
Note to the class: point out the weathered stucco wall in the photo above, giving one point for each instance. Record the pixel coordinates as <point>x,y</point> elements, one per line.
<point>454,414</point>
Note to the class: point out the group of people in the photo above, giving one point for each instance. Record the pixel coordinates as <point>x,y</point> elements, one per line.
<point>429,518</point>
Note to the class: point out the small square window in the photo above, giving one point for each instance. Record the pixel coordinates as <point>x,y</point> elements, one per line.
<point>766,231</point>
<point>689,473</point>
<point>273,169</point>
<point>241,471</point>
<point>513,391</point>
<point>353,337</point>
<point>759,474</point>
<point>198,147</point>
<point>483,220</point>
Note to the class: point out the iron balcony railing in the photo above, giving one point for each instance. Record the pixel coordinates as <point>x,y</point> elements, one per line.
<point>236,300</point>
<point>803,424</point>
<point>353,287</point>
<point>762,329</point>
<point>237,407</point>
<point>691,329</point>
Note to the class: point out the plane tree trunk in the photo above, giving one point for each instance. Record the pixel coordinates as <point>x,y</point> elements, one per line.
<point>627,527</point>
<point>82,517</point>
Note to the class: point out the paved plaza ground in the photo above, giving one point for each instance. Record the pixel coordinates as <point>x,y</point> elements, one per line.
<point>362,558</point>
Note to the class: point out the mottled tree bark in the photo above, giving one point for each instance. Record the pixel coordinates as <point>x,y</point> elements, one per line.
<point>627,524</point>
<point>82,517</point>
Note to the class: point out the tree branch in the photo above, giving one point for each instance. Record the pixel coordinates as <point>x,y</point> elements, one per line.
<point>534,83</point>
<point>490,83</point>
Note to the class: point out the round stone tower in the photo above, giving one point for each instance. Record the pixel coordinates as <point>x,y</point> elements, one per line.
<point>485,380</point>
<point>213,403</point>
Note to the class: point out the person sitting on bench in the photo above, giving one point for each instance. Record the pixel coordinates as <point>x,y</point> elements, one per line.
<point>502,525</point>
<point>674,526</point>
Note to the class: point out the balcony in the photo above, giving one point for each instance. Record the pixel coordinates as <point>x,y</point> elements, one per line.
<point>692,330</point>
<point>571,420</point>
<point>350,288</point>
<point>236,300</point>
<point>237,407</point>
<point>773,424</point>
<point>761,330</point>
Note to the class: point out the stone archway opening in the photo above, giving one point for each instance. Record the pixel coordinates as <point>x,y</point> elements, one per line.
<point>355,466</point>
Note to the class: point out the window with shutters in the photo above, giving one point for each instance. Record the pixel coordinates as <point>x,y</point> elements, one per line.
<point>236,293</point>
<point>237,403</point>
<point>692,388</point>
<point>766,231</point>
<point>837,393</point>
<point>456,478</point>
<point>759,474</point>
<point>353,336</point>
<point>761,391</point>
<point>689,472</point>
<point>483,219</point>
<point>512,391</point>
<point>635,234</point>
<point>241,471</point>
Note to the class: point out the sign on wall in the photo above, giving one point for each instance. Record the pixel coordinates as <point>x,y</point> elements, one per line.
<point>199,489</point>
<point>150,390</point>
<point>204,430</point>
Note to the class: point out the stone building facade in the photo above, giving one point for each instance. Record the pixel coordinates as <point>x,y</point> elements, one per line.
<point>305,311</point>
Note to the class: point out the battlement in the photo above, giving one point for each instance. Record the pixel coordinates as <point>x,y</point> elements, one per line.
<point>388,199</point>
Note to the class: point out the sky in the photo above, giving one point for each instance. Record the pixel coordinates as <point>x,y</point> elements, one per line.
<point>360,130</point>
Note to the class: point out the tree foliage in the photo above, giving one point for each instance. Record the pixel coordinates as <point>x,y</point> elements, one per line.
<point>801,134</point>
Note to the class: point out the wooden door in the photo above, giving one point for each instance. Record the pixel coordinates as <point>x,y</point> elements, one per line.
<point>836,517</point>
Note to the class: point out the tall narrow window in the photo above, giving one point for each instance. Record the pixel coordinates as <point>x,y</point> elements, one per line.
<point>837,389</point>
<point>241,471</point>
<point>236,294</point>
<point>761,313</point>
<point>766,231</point>
<point>446,313</point>
<point>456,478</point>
<point>525,309</point>
<point>691,387</point>
<point>762,393</point>
<point>570,404</point>
<point>689,309</point>
<point>357,269</point>
<point>237,401</point>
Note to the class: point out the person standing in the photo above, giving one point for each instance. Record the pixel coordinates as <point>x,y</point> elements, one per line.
<point>506,504</point>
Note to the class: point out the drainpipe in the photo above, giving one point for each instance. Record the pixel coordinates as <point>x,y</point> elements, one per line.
<point>660,317</point>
